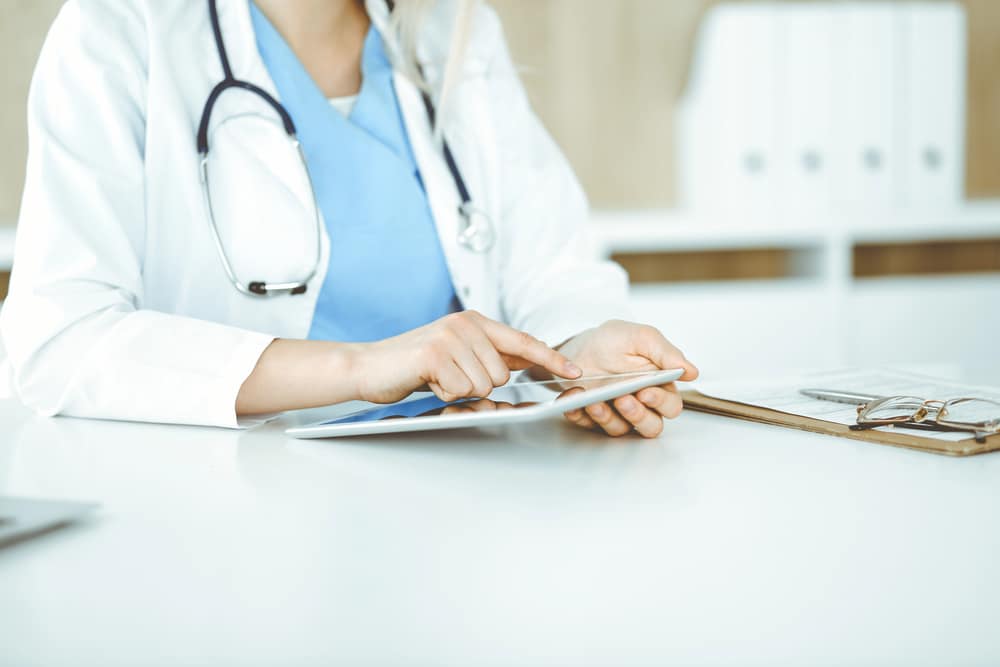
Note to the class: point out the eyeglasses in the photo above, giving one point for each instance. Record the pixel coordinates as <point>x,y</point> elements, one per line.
<point>979,416</point>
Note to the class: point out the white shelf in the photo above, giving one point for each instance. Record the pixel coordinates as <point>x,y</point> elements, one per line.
<point>822,315</point>
<point>668,230</point>
<point>665,230</point>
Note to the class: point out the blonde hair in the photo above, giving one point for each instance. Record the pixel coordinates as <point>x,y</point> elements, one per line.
<point>407,22</point>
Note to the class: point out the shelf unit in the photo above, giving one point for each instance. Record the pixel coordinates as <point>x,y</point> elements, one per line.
<point>833,235</point>
<point>820,314</point>
<point>675,230</point>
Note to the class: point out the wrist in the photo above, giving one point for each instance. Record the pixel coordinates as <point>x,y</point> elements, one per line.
<point>345,371</point>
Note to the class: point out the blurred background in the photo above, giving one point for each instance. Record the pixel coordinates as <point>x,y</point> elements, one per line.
<point>789,184</point>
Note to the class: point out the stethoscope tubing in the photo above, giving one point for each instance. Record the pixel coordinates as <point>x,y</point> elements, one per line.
<point>476,233</point>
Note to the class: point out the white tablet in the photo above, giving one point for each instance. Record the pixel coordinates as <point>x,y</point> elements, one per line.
<point>512,403</point>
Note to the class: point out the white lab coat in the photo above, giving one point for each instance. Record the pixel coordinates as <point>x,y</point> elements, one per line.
<point>119,306</point>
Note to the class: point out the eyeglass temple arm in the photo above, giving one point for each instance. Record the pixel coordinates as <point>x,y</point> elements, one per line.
<point>919,426</point>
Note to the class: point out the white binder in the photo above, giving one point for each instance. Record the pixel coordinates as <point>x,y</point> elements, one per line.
<point>866,91</point>
<point>796,108</point>
<point>934,97</point>
<point>807,156</point>
<point>728,135</point>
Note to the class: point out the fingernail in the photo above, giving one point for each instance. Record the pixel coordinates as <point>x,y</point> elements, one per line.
<point>573,369</point>
<point>629,404</point>
<point>600,411</point>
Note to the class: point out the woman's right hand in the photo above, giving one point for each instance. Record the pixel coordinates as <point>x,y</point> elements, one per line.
<point>461,355</point>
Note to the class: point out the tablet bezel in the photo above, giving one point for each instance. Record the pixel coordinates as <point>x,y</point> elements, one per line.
<point>629,383</point>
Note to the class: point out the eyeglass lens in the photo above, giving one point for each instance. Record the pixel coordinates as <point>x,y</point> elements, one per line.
<point>900,408</point>
<point>972,411</point>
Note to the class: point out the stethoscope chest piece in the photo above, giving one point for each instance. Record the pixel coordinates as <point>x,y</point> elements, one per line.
<point>476,231</point>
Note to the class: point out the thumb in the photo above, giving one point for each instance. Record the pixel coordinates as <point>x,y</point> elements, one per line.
<point>655,347</point>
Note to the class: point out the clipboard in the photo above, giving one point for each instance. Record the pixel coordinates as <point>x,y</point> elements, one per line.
<point>693,400</point>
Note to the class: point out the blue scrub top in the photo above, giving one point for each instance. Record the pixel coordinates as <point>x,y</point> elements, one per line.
<point>387,271</point>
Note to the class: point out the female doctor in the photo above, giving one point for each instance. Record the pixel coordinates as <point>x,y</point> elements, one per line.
<point>235,208</point>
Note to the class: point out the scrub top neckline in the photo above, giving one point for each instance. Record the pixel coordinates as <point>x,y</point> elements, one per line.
<point>345,104</point>
<point>368,106</point>
<point>386,272</point>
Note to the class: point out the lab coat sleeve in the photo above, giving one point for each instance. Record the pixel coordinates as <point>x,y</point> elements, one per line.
<point>551,282</point>
<point>79,341</point>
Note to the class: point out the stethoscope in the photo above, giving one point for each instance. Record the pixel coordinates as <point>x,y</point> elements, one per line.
<point>476,231</point>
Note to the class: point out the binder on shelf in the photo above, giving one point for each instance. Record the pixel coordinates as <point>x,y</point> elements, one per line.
<point>866,94</point>
<point>933,35</point>
<point>728,119</point>
<point>857,107</point>
<point>806,152</point>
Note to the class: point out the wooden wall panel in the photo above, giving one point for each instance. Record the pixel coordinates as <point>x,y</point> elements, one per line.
<point>23,24</point>
<point>983,176</point>
<point>604,77</point>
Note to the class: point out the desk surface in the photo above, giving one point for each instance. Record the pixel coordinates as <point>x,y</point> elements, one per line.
<point>721,542</point>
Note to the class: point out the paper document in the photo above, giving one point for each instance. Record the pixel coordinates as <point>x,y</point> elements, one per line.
<point>783,395</point>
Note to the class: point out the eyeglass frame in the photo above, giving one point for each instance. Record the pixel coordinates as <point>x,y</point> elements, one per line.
<point>919,417</point>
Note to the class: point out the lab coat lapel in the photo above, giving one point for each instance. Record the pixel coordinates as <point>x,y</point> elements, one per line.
<point>467,268</point>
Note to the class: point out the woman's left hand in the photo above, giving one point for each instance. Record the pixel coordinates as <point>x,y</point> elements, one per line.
<point>626,347</point>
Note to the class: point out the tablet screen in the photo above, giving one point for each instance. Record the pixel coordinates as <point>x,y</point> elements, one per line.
<point>514,396</point>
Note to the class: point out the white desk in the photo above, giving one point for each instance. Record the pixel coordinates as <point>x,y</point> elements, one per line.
<point>721,543</point>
